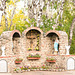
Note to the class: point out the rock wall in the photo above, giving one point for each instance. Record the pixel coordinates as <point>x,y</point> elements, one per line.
<point>46,44</point>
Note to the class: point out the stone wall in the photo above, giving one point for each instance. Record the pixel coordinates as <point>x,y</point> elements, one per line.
<point>46,44</point>
<point>63,42</point>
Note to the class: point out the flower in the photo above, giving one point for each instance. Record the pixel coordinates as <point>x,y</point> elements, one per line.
<point>44,67</point>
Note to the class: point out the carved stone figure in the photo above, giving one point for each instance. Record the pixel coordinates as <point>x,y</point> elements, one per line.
<point>56,43</point>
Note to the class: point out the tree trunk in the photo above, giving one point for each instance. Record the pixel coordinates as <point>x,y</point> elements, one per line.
<point>71,31</point>
<point>3,8</point>
<point>12,17</point>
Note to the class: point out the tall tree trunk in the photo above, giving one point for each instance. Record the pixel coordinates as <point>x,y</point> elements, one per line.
<point>5,14</point>
<point>71,31</point>
<point>25,7</point>
<point>12,17</point>
<point>3,9</point>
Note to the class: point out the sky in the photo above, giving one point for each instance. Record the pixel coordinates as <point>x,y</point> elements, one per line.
<point>20,4</point>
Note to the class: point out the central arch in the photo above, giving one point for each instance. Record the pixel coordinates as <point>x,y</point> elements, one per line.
<point>32,28</point>
<point>33,38</point>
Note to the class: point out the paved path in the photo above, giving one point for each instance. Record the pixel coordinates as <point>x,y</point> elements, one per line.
<point>42,73</point>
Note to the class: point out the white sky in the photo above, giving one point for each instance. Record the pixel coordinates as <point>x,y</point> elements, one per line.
<point>20,5</point>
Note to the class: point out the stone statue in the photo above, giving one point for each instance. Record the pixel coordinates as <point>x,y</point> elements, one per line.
<point>56,46</point>
<point>67,50</point>
<point>3,50</point>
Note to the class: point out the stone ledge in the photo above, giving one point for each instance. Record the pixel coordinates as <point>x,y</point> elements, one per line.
<point>69,55</point>
<point>60,55</point>
<point>33,51</point>
<point>9,56</point>
<point>51,55</point>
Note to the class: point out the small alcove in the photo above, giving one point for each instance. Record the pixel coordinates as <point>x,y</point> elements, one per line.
<point>51,37</point>
<point>16,43</point>
<point>33,40</point>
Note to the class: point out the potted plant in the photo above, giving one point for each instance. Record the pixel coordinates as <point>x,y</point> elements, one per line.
<point>18,60</point>
<point>50,59</point>
<point>29,49</point>
<point>36,56</point>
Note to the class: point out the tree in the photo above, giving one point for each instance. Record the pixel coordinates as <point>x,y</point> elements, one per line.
<point>3,9</point>
<point>46,23</point>
<point>15,18</point>
<point>71,31</point>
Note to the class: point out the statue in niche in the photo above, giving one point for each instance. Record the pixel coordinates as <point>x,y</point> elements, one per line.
<point>56,43</point>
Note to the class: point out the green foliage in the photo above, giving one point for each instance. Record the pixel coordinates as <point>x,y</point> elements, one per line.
<point>19,59</point>
<point>55,5</point>
<point>47,23</point>
<point>52,59</point>
<point>66,21</point>
<point>44,67</point>
<point>51,4</point>
<point>72,49</point>
<point>44,8</point>
<point>8,1</point>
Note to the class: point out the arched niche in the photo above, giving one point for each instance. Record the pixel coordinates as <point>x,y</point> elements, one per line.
<point>70,64</point>
<point>16,42</point>
<point>33,39</point>
<point>51,37</point>
<point>3,66</point>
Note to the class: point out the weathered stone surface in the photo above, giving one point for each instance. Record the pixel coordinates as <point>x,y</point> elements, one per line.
<point>18,46</point>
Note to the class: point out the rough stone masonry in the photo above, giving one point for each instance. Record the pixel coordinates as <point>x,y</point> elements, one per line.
<point>18,45</point>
